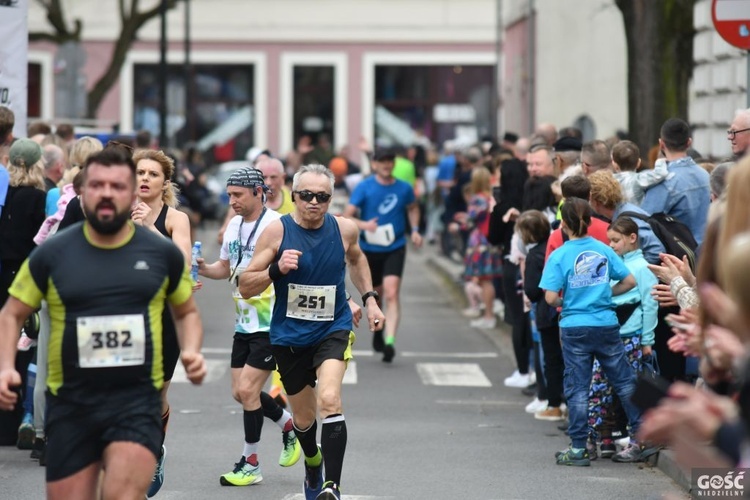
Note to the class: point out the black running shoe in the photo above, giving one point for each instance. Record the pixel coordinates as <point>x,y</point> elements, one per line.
<point>388,353</point>
<point>37,450</point>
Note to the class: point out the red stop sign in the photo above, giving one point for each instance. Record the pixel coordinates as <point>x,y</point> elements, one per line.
<point>732,20</point>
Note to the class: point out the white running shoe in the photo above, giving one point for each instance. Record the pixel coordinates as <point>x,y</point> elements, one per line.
<point>518,380</point>
<point>484,323</point>
<point>472,312</point>
<point>536,405</point>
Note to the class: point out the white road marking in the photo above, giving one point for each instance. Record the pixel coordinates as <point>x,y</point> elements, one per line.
<point>300,496</point>
<point>415,354</point>
<point>216,370</point>
<point>453,374</point>
<point>350,375</point>
<point>469,355</point>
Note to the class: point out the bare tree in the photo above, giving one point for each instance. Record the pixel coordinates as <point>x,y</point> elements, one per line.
<point>659,37</point>
<point>132,20</point>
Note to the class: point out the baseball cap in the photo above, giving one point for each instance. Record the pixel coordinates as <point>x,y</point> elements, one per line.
<point>384,154</point>
<point>248,177</point>
<point>24,153</point>
<point>567,144</point>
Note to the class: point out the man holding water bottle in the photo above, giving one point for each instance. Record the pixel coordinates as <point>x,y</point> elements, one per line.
<point>252,360</point>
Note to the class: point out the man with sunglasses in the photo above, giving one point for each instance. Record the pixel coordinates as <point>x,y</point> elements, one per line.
<point>384,203</point>
<point>305,255</point>
<point>252,360</point>
<point>739,134</point>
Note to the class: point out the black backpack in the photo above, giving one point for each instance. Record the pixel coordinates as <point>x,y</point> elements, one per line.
<point>676,237</point>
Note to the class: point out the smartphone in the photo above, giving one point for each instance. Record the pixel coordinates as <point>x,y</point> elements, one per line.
<point>649,390</point>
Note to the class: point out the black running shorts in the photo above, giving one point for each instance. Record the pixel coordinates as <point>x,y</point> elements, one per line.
<point>253,349</point>
<point>77,434</point>
<point>297,365</point>
<point>386,264</point>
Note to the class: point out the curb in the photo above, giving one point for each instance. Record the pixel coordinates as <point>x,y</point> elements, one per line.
<point>500,336</point>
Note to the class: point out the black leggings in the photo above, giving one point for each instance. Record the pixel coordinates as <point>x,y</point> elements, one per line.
<point>553,364</point>
<point>515,316</point>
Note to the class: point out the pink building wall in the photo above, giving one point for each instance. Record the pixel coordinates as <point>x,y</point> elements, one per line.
<point>99,53</point>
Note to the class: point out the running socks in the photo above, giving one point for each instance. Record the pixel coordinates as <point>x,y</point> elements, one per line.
<point>333,438</point>
<point>253,421</point>
<point>309,446</point>
<point>389,341</point>
<point>272,410</point>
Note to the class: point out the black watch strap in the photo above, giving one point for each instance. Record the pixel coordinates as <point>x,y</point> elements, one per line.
<point>367,295</point>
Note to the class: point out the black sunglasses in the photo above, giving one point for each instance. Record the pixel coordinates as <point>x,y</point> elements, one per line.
<point>308,196</point>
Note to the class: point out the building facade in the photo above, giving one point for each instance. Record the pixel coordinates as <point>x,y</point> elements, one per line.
<point>268,74</point>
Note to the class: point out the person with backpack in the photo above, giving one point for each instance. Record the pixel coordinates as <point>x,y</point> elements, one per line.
<point>685,193</point>
<point>607,199</point>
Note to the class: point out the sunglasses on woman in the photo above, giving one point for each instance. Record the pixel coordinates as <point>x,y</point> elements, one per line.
<point>307,196</point>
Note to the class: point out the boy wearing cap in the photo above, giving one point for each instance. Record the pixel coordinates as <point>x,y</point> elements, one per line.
<point>252,360</point>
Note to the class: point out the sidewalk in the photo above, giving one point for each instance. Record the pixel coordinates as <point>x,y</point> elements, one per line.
<point>452,273</point>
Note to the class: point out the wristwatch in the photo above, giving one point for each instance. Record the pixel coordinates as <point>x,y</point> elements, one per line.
<point>367,295</point>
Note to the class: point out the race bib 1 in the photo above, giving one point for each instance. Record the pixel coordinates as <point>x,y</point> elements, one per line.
<point>383,236</point>
<point>111,341</point>
<point>312,303</point>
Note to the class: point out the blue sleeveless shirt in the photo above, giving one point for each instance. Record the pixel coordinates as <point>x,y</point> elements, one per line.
<point>322,264</point>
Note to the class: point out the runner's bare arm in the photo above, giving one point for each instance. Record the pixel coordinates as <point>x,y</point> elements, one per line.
<point>359,270</point>
<point>187,320</point>
<point>12,316</point>
<point>255,278</point>
<point>179,228</point>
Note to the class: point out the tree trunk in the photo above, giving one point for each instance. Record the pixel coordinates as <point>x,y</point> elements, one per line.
<point>659,37</point>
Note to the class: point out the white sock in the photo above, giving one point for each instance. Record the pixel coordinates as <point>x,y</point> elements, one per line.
<point>286,417</point>
<point>250,449</point>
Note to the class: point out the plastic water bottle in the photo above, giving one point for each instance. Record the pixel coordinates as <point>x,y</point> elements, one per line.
<point>194,262</point>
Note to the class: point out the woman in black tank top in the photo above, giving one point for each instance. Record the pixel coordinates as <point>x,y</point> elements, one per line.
<point>155,210</point>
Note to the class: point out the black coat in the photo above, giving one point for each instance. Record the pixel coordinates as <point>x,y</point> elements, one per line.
<point>546,315</point>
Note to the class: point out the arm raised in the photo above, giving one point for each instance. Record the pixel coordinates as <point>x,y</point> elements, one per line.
<point>255,278</point>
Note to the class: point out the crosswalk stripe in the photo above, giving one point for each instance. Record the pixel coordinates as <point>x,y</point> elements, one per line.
<point>216,368</point>
<point>444,374</point>
<point>453,374</point>
<point>350,375</point>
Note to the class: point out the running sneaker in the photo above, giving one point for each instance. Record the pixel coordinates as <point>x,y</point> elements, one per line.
<point>388,353</point>
<point>484,323</point>
<point>608,448</point>
<point>330,492</point>
<point>631,453</point>
<point>550,414</point>
<point>26,433</point>
<point>243,474</point>
<point>313,484</point>
<point>536,405</point>
<point>579,458</point>
<point>25,342</point>
<point>31,325</point>
<point>158,480</point>
<point>292,450</point>
<point>37,451</point>
<point>378,342</point>
<point>591,449</point>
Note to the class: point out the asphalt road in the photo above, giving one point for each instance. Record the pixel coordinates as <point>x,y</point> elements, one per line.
<point>436,424</point>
